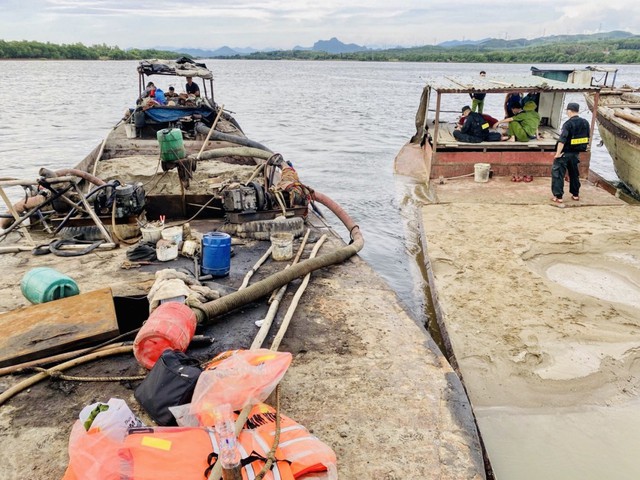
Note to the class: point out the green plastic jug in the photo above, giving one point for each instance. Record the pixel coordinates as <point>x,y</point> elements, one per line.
<point>171,144</point>
<point>43,284</point>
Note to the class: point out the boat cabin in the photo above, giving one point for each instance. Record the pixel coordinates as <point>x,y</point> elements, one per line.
<point>439,111</point>
<point>154,113</point>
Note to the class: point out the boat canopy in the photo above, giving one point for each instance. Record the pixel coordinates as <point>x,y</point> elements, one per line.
<point>183,67</point>
<point>553,89</point>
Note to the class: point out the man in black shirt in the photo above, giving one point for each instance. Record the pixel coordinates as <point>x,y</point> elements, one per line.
<point>574,139</point>
<point>475,128</point>
<point>192,88</point>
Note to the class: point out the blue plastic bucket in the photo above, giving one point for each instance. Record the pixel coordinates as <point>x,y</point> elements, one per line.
<point>43,284</point>
<point>216,254</point>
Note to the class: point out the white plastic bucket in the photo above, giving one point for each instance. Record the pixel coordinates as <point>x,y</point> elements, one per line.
<point>481,172</point>
<point>173,234</point>
<point>130,130</point>
<point>282,243</point>
<point>151,234</point>
<point>166,251</point>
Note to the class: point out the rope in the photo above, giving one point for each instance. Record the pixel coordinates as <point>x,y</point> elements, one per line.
<point>61,376</point>
<point>271,456</point>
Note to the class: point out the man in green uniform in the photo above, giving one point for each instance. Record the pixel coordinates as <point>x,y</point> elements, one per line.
<point>524,124</point>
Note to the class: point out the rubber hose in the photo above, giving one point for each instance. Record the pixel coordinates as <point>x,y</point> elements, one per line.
<point>207,312</point>
<point>75,173</point>
<point>233,152</point>
<point>225,137</point>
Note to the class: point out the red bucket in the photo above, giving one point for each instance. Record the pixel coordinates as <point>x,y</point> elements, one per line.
<point>171,325</point>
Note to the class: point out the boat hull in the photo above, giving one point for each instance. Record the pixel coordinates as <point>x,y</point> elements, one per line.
<point>622,140</point>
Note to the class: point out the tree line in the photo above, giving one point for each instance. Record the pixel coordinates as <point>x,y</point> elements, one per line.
<point>612,51</point>
<point>623,51</point>
<point>77,51</point>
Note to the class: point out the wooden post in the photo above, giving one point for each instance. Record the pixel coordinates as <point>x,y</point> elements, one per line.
<point>213,127</point>
<point>13,212</point>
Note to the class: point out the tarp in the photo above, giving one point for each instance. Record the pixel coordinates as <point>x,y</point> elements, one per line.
<point>183,67</point>
<point>172,114</point>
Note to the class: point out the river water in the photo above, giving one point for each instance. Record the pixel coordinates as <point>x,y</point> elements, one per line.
<point>340,123</point>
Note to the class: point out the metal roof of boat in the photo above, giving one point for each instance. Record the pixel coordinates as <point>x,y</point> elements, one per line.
<point>496,84</point>
<point>183,67</point>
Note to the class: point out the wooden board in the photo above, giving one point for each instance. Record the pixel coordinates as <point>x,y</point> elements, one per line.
<point>49,328</point>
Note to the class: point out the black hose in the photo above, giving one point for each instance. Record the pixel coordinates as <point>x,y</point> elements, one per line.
<point>207,312</point>
<point>225,137</point>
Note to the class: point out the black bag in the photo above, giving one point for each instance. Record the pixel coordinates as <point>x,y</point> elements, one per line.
<point>170,383</point>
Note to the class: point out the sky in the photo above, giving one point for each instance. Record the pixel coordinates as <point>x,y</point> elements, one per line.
<point>284,24</point>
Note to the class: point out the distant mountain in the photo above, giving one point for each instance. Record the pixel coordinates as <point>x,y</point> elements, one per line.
<point>498,43</point>
<point>336,46</point>
<point>459,43</point>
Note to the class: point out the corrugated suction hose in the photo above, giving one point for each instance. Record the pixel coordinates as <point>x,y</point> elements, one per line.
<point>208,312</point>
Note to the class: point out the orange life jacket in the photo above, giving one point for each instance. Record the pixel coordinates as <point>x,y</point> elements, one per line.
<point>170,453</point>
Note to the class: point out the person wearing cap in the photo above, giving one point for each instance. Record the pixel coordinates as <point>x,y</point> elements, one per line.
<point>574,138</point>
<point>523,126</point>
<point>475,128</point>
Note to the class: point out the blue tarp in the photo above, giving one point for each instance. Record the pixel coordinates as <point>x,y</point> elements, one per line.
<point>164,114</point>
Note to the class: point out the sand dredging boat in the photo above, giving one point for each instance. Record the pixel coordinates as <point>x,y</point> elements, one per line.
<point>227,224</point>
<point>538,305</point>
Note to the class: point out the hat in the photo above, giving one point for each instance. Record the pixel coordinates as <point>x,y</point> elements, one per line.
<point>465,108</point>
<point>574,107</point>
<point>529,106</point>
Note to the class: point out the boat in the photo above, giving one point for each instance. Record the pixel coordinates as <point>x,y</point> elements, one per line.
<point>527,293</point>
<point>434,153</point>
<point>618,117</point>
<point>348,381</point>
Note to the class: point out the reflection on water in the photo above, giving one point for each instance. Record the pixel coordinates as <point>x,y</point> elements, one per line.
<point>341,123</point>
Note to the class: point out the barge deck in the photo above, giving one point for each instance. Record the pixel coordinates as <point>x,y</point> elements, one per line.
<point>539,310</point>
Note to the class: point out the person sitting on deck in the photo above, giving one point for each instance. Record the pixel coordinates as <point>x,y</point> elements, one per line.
<point>192,88</point>
<point>171,93</point>
<point>475,128</point>
<point>510,100</point>
<point>487,118</point>
<point>524,124</point>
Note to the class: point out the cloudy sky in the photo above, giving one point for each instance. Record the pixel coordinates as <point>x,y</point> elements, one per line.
<point>287,23</point>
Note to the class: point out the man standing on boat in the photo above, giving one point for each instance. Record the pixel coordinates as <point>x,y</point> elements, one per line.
<point>477,98</point>
<point>574,138</point>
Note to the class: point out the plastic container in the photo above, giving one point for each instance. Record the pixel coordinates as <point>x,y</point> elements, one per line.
<point>216,254</point>
<point>282,243</point>
<point>171,144</point>
<point>130,130</point>
<point>166,250</point>
<point>481,172</point>
<point>151,234</point>
<point>43,284</point>
<point>173,234</point>
<point>171,325</point>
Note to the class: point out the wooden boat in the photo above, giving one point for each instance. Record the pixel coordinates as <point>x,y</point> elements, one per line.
<point>433,152</point>
<point>340,388</point>
<point>618,116</point>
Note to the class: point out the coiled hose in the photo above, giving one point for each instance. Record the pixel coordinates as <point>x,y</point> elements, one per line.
<point>208,312</point>
<point>225,137</point>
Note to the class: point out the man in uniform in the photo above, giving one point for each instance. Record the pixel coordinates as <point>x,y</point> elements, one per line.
<point>573,139</point>
<point>475,128</point>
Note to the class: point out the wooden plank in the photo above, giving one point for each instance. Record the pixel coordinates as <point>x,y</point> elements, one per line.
<point>50,328</point>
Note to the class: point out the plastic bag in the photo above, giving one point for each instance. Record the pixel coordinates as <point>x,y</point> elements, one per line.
<point>238,378</point>
<point>95,439</point>
<point>115,421</point>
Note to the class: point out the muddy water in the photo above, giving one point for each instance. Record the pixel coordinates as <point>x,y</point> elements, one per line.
<point>341,123</point>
